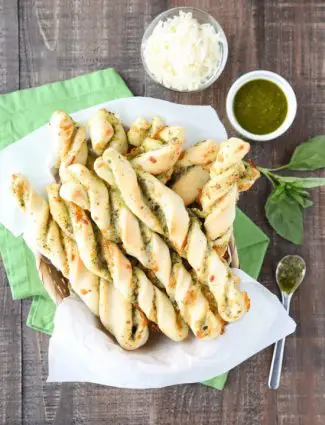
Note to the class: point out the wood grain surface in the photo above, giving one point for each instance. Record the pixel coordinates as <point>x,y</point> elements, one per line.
<point>48,40</point>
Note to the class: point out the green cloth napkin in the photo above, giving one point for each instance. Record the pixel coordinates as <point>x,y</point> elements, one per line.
<point>22,112</point>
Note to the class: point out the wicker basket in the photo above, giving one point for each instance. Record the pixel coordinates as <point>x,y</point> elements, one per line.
<point>55,284</point>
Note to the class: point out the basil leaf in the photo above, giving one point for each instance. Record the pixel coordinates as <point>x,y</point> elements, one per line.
<point>309,155</point>
<point>303,201</point>
<point>297,197</point>
<point>304,182</point>
<point>307,203</point>
<point>285,216</point>
<point>301,191</point>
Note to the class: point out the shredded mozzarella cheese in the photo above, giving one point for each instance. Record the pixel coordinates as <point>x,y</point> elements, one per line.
<point>181,53</point>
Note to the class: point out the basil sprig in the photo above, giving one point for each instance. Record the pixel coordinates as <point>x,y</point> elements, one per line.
<point>289,197</point>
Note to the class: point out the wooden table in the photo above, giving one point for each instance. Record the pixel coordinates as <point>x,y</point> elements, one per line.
<point>47,40</point>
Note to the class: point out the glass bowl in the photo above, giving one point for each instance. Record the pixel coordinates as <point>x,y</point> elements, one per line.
<point>203,18</point>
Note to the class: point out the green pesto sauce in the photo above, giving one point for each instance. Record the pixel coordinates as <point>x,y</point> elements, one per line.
<point>260,106</point>
<point>290,273</point>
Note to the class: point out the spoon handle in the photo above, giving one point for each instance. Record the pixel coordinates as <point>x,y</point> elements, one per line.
<point>276,365</point>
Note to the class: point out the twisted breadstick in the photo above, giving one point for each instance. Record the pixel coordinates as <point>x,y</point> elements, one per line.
<point>142,128</point>
<point>131,282</point>
<point>105,259</point>
<point>152,252</point>
<point>192,170</point>
<point>117,170</point>
<point>88,191</point>
<point>184,234</point>
<point>126,181</point>
<point>106,130</point>
<point>214,175</point>
<point>228,176</point>
<point>62,251</point>
<point>158,146</point>
<point>69,138</point>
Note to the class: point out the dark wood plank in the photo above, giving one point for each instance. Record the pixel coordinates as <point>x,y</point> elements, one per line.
<point>9,46</point>
<point>10,355</point>
<point>62,39</point>
<point>10,311</point>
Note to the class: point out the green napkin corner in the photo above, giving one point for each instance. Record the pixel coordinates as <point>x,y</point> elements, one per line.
<point>17,119</point>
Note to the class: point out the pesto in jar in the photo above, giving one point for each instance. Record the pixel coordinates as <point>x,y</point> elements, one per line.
<point>260,106</point>
<point>290,273</point>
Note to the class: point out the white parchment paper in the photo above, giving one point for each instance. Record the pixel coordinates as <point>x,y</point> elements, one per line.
<point>79,350</point>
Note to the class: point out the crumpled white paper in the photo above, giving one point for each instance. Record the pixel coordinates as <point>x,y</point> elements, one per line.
<point>79,350</point>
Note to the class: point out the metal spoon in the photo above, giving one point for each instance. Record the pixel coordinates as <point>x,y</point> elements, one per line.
<point>276,365</point>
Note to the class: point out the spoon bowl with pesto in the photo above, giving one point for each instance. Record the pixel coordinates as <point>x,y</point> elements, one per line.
<point>261,105</point>
<point>290,273</point>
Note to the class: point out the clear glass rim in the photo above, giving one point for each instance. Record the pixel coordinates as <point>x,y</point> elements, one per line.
<point>209,19</point>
